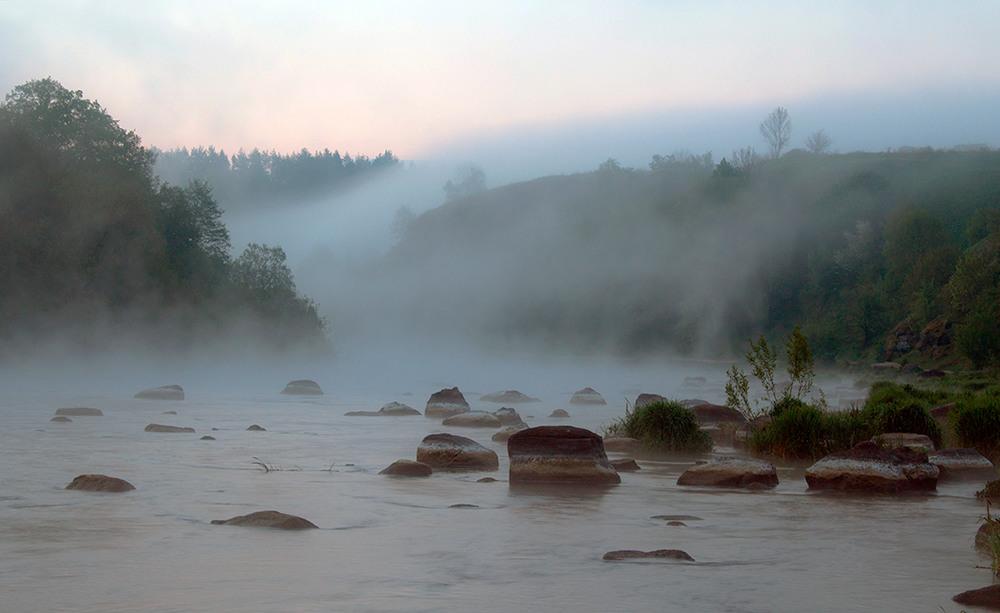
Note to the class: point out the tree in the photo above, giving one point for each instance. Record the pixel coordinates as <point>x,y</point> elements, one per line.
<point>745,160</point>
<point>401,220</point>
<point>262,269</point>
<point>818,142</point>
<point>469,179</point>
<point>777,130</point>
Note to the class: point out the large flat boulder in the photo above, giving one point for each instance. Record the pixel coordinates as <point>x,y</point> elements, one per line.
<point>502,435</point>
<point>79,412</point>
<point>587,396</point>
<point>559,454</point>
<point>867,467</point>
<point>663,554</point>
<point>916,442</point>
<point>100,483</point>
<point>508,397</point>
<point>393,409</point>
<point>455,453</point>
<point>731,472</point>
<point>960,464</point>
<point>302,387</point>
<point>165,392</point>
<point>472,419</point>
<point>268,519</point>
<point>986,597</point>
<point>446,403</point>
<point>163,428</point>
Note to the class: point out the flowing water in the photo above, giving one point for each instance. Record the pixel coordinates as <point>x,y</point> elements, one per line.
<point>397,544</point>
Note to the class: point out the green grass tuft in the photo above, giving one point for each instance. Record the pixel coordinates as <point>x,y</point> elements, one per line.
<point>664,425</point>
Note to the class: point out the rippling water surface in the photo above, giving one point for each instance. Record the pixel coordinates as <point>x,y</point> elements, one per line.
<point>392,544</point>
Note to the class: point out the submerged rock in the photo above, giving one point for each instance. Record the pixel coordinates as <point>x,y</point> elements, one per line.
<point>166,392</point>
<point>625,465</point>
<point>446,403</point>
<point>208,438</point>
<point>407,468</point>
<point>731,472</point>
<point>559,454</point>
<point>508,397</point>
<point>708,413</point>
<point>455,453</point>
<point>61,419</point>
<point>303,387</point>
<point>502,435</point>
<point>256,428</point>
<point>100,483</point>
<point>79,412</point>
<point>162,428</point>
<point>393,409</point>
<point>559,414</point>
<point>587,396</point>
<point>472,419</point>
<point>962,464</point>
<point>631,554</point>
<point>268,519</point>
<point>870,468</point>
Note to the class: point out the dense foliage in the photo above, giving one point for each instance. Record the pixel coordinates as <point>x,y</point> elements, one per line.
<point>91,241</point>
<point>663,425</point>
<point>877,256</point>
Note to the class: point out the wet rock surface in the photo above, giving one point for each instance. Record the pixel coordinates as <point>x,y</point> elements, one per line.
<point>892,440</point>
<point>100,483</point>
<point>663,554</point>
<point>302,387</point>
<point>455,453</point>
<point>407,468</point>
<point>472,419</point>
<point>625,465</point>
<point>446,403</point>
<point>268,519</point>
<point>509,417</point>
<point>559,454</point>
<point>79,412</point>
<point>587,396</point>
<point>559,414</point>
<point>163,428</point>
<point>61,419</point>
<point>986,597</point>
<point>393,409</point>
<point>503,435</point>
<point>731,472</point>
<point>959,464</point>
<point>166,392</point>
<point>622,444</point>
<point>870,468</point>
<point>708,413</point>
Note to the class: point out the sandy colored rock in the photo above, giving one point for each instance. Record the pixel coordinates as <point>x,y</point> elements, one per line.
<point>509,417</point>
<point>255,428</point>
<point>916,442</point>
<point>455,453</point>
<point>501,436</point>
<point>730,472</point>
<point>268,519</point>
<point>100,483</point>
<point>559,414</point>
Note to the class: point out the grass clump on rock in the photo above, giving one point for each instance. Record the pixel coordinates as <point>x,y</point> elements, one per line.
<point>800,430</point>
<point>663,425</point>
<point>902,408</point>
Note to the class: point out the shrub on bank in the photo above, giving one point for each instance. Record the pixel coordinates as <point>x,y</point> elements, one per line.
<point>976,422</point>
<point>805,431</point>
<point>902,408</point>
<point>664,425</point>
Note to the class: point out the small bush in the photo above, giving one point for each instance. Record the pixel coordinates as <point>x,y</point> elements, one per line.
<point>796,430</point>
<point>902,408</point>
<point>664,425</point>
<point>976,422</point>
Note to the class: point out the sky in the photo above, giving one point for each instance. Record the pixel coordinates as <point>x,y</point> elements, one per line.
<point>549,87</point>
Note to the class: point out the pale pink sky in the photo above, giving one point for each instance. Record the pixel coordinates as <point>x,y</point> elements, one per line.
<point>363,77</point>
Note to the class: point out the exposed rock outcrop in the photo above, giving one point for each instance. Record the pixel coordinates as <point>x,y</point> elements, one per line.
<point>268,519</point>
<point>665,554</point>
<point>508,397</point>
<point>393,409</point>
<point>957,464</point>
<point>559,454</point>
<point>303,387</point>
<point>870,468</point>
<point>166,392</point>
<point>162,428</point>
<point>472,419</point>
<point>731,472</point>
<point>587,396</point>
<point>446,403</point>
<point>79,412</point>
<point>455,453</point>
<point>100,483</point>
<point>407,468</point>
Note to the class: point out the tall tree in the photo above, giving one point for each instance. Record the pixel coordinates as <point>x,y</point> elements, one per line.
<point>777,130</point>
<point>818,142</point>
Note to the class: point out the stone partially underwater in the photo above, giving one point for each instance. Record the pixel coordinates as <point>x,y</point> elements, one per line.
<point>100,483</point>
<point>455,453</point>
<point>268,519</point>
<point>446,403</point>
<point>165,392</point>
<point>868,467</point>
<point>559,455</point>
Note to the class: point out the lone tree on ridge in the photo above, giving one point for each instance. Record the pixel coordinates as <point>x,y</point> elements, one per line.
<point>777,130</point>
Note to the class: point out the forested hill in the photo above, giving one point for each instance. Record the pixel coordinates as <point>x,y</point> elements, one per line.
<point>874,255</point>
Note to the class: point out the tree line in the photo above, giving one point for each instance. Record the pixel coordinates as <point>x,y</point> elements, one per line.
<point>92,242</point>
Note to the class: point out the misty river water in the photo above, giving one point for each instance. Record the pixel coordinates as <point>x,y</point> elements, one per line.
<point>397,544</point>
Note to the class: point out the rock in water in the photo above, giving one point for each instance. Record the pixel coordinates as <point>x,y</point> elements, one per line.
<point>162,428</point>
<point>446,403</point>
<point>61,419</point>
<point>986,597</point>
<point>508,397</point>
<point>870,468</point>
<point>100,483</point>
<point>256,428</point>
<point>452,452</point>
<point>587,396</point>
<point>302,387</point>
<point>79,412</point>
<point>559,454</point>
<point>407,468</point>
<point>502,435</point>
<point>472,419</point>
<point>559,414</point>
<point>268,519</point>
<point>963,464</point>
<point>509,417</point>
<point>625,465</point>
<point>916,442</point>
<point>393,409</point>
<point>731,472</point>
<point>708,413</point>
<point>166,392</point>
<point>623,444</point>
<point>629,554</point>
<point>643,399</point>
